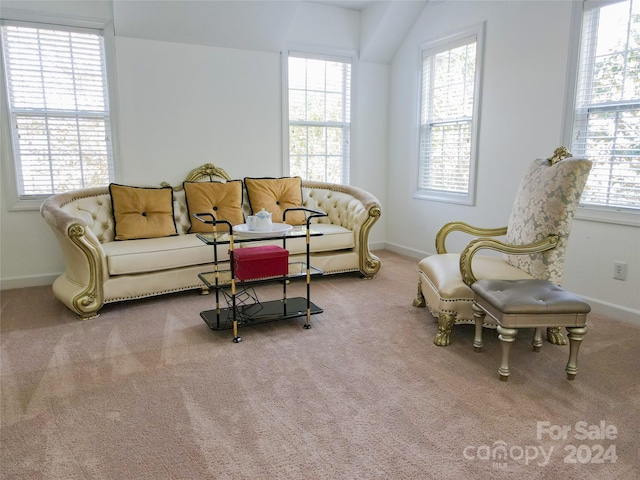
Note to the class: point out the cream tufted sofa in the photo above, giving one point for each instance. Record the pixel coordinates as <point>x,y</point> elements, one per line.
<point>99,270</point>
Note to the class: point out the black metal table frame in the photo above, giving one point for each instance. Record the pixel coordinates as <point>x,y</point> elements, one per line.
<point>277,309</point>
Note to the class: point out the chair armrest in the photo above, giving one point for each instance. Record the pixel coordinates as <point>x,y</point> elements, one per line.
<point>474,246</point>
<point>441,236</point>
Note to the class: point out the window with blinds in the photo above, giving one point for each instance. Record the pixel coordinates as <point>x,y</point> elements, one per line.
<point>448,115</point>
<point>319,110</point>
<point>58,107</point>
<point>607,109</point>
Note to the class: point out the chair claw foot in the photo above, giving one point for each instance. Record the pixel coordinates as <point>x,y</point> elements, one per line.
<point>555,336</point>
<point>443,339</point>
<point>419,301</point>
<point>445,325</point>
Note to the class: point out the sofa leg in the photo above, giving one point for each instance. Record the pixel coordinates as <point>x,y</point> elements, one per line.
<point>369,263</point>
<point>445,325</point>
<point>204,290</point>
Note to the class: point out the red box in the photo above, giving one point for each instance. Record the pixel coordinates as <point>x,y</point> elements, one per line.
<point>260,262</point>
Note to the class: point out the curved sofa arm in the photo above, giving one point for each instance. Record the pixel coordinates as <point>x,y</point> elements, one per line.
<point>355,209</point>
<point>474,246</point>
<point>81,285</point>
<point>441,236</point>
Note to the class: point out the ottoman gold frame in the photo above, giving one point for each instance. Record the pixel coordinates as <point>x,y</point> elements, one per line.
<point>515,304</point>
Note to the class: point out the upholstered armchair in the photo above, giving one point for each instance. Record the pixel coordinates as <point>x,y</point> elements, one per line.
<point>533,246</point>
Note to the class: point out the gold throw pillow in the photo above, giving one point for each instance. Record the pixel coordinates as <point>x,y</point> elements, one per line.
<point>142,212</point>
<point>222,200</point>
<point>275,195</point>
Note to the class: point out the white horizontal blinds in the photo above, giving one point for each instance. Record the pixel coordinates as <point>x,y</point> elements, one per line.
<point>57,89</point>
<point>319,117</point>
<point>607,121</point>
<point>448,83</point>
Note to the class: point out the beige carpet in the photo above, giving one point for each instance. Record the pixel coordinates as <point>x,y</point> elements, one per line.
<point>147,391</point>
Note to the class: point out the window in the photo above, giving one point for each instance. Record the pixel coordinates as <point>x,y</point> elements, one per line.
<point>448,118</point>
<point>58,106</point>
<point>606,123</point>
<point>319,112</point>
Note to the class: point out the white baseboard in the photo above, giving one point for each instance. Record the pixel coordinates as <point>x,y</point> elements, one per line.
<point>377,245</point>
<point>408,252</point>
<point>28,281</point>
<point>624,314</point>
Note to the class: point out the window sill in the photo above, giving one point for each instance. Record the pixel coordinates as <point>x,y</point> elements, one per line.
<point>459,198</point>
<point>617,216</point>
<point>23,205</point>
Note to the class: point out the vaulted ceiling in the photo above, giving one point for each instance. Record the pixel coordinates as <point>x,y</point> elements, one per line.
<point>378,27</point>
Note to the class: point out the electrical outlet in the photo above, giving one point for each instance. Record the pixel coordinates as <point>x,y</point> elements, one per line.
<point>619,270</point>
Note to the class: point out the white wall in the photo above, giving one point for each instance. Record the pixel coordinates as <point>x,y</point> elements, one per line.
<point>370,145</point>
<point>522,107</point>
<point>184,105</point>
<point>181,105</point>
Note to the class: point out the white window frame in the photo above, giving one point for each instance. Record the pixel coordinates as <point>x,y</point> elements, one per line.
<point>591,212</point>
<point>8,164</point>
<point>430,49</point>
<point>306,51</point>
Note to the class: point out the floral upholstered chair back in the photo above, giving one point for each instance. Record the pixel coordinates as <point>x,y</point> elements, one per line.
<point>545,205</point>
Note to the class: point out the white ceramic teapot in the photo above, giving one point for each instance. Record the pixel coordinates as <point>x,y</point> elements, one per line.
<point>260,222</point>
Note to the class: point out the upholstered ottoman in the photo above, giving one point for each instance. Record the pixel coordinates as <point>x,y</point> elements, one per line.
<point>515,304</point>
